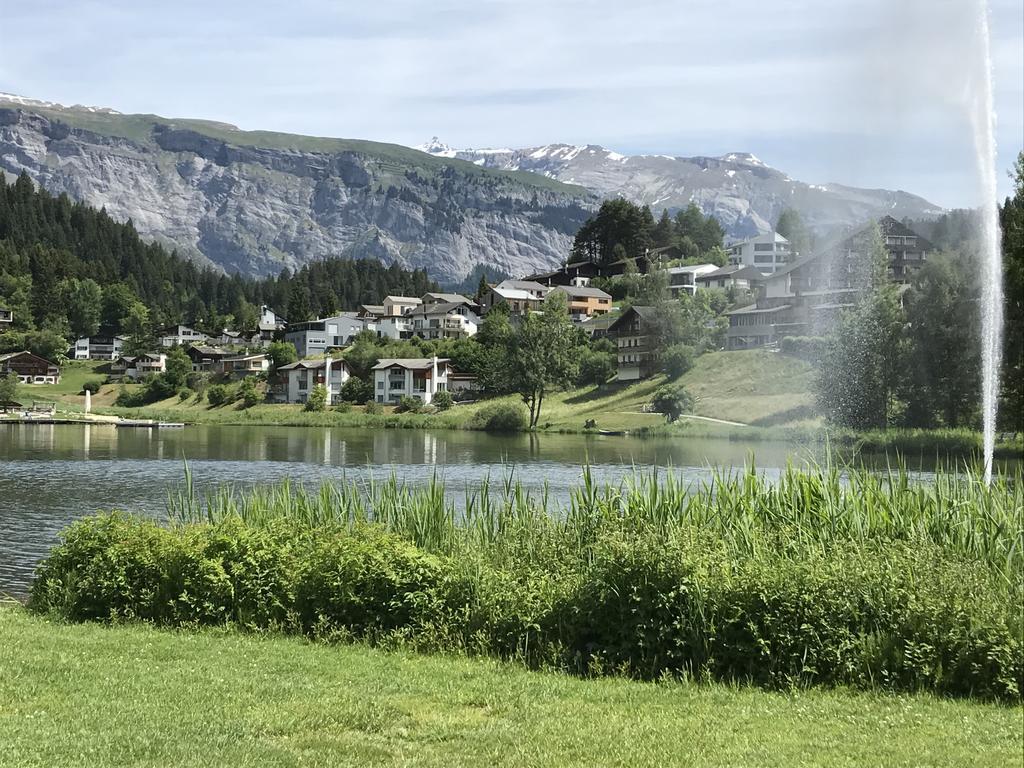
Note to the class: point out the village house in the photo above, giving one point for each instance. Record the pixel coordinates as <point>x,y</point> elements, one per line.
<point>453,320</point>
<point>239,366</point>
<point>419,378</point>
<point>585,302</point>
<point>316,337</point>
<point>29,368</point>
<point>634,342</point>
<point>395,327</point>
<point>180,336</point>
<point>580,273</point>
<point>270,323</point>
<point>400,305</point>
<point>684,279</point>
<point>448,298</point>
<point>6,316</point>
<point>297,379</point>
<point>370,311</point>
<point>97,348</point>
<point>805,297</point>
<point>206,358</point>
<point>766,253</point>
<point>736,277</point>
<point>138,367</point>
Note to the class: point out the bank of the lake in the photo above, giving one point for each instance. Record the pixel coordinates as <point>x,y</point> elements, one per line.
<point>90,695</point>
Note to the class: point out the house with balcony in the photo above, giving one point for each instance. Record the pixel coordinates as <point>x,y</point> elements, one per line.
<point>633,334</point>
<point>585,302</point>
<point>316,337</point>
<point>240,366</point>
<point>138,367</point>
<point>296,380</point>
<point>180,336</point>
<point>419,378</point>
<point>206,358</point>
<point>806,297</point>
<point>451,320</point>
<point>766,253</point>
<point>29,368</point>
<point>738,278</point>
<point>684,279</point>
<point>6,318</point>
<point>97,348</point>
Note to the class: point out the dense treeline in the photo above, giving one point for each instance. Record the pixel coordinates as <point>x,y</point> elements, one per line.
<point>622,230</point>
<point>69,270</point>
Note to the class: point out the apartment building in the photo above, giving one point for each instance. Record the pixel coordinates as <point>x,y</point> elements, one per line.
<point>419,378</point>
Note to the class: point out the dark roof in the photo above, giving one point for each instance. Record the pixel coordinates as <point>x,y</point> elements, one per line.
<point>584,291</point>
<point>412,363</point>
<point>735,272</point>
<point>644,313</point>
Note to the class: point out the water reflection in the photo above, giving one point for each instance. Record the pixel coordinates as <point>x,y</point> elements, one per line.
<point>52,474</point>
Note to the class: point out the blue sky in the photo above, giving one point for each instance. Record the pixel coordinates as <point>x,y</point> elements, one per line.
<point>863,92</point>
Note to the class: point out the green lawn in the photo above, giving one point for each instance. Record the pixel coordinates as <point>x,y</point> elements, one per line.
<point>73,376</point>
<point>756,387</point>
<point>92,695</point>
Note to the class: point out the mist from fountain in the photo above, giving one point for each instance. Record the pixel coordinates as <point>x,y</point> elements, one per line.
<point>983,121</point>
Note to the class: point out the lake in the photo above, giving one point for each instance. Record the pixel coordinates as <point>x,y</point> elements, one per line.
<point>52,474</point>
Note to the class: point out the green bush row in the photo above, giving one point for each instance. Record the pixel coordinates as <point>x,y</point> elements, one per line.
<point>644,603</point>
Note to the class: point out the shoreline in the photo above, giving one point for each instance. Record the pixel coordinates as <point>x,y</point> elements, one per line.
<point>950,443</point>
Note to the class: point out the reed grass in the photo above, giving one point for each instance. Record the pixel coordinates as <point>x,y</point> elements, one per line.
<point>807,507</point>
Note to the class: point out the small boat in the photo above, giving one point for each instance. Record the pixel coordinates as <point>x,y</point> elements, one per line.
<point>615,432</point>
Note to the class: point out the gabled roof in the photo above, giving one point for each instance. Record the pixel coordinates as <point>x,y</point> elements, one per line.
<point>734,272</point>
<point>437,309</point>
<point>313,364</point>
<point>523,285</point>
<point>446,298</point>
<point>409,363</point>
<point>643,312</point>
<point>402,300</point>
<point>11,355</point>
<point>207,350</point>
<point>583,292</point>
<point>515,294</point>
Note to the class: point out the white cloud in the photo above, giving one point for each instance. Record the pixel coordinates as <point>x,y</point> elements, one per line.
<point>834,90</point>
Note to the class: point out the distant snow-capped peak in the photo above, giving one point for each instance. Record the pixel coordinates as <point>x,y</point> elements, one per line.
<point>25,101</point>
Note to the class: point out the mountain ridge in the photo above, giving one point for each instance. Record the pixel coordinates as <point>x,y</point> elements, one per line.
<point>259,201</point>
<point>742,191</point>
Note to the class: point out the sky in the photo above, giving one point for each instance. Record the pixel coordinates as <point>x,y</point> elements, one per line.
<point>873,93</point>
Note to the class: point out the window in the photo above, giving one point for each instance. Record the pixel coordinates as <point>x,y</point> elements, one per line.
<point>380,385</point>
<point>764,246</point>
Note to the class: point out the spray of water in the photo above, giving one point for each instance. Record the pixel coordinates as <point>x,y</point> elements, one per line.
<point>983,118</point>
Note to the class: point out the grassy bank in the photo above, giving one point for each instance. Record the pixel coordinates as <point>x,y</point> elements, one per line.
<point>98,696</point>
<point>814,580</point>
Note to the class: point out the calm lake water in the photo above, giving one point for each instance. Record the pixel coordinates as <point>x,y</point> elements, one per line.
<point>52,474</point>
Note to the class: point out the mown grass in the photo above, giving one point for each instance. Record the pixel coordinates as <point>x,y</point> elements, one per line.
<point>73,376</point>
<point>96,696</point>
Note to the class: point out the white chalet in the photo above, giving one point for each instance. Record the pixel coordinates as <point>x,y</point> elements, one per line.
<point>419,378</point>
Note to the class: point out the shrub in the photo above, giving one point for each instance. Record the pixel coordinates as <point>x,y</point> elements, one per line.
<point>807,348</point>
<point>672,401</point>
<point>596,367</point>
<point>250,393</point>
<point>356,390</point>
<point>409,404</point>
<point>317,399</point>
<point>500,417</point>
<point>132,398</point>
<point>677,360</point>
<point>92,386</point>
<point>184,394</point>
<point>443,400</point>
<point>343,407</point>
<point>217,394</point>
<point>373,408</point>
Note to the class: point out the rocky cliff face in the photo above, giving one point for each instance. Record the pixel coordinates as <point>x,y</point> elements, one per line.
<point>256,202</point>
<point>743,193</point>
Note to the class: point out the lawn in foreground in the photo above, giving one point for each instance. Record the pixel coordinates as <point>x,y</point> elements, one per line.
<point>93,695</point>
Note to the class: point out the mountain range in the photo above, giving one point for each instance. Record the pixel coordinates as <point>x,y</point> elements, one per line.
<point>738,189</point>
<point>257,202</point>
